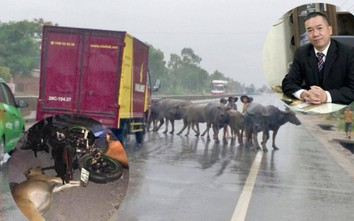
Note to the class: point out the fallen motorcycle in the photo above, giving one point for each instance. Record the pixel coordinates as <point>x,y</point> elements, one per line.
<point>74,148</point>
<point>101,168</point>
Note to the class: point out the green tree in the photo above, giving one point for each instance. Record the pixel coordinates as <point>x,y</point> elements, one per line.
<point>5,73</point>
<point>235,87</point>
<point>217,76</point>
<point>185,74</point>
<point>189,57</point>
<point>175,62</point>
<point>157,66</point>
<point>19,46</point>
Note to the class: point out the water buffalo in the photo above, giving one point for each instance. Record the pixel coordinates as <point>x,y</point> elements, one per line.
<point>216,117</point>
<point>154,114</point>
<point>193,115</point>
<point>171,110</point>
<point>275,119</point>
<point>259,118</point>
<point>254,121</point>
<point>236,123</point>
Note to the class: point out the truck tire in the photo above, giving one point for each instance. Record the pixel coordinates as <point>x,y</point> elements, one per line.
<point>113,172</point>
<point>122,134</point>
<point>139,136</point>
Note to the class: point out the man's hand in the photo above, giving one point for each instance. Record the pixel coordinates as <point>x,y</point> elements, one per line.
<point>316,95</point>
<point>320,93</point>
<point>310,97</point>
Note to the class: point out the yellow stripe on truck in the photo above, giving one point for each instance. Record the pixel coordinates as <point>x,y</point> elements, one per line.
<point>146,103</point>
<point>146,92</point>
<point>125,96</point>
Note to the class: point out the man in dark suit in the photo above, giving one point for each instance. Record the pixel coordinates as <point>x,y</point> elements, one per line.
<point>329,80</point>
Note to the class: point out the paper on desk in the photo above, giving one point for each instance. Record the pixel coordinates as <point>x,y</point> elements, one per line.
<point>317,109</point>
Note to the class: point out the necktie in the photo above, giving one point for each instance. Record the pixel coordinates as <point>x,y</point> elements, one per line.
<point>320,62</point>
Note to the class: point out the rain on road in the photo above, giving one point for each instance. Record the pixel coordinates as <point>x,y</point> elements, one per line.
<point>175,177</point>
<point>187,178</point>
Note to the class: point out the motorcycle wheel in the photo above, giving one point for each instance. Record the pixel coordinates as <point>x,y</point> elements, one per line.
<point>110,173</point>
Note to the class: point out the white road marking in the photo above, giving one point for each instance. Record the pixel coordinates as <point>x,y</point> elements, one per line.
<point>245,197</point>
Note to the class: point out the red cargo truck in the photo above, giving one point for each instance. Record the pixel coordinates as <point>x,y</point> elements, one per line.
<point>96,73</point>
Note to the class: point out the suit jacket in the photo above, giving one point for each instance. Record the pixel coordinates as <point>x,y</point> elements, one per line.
<point>338,77</point>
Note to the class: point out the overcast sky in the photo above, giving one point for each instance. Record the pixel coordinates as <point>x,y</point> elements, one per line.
<point>227,34</point>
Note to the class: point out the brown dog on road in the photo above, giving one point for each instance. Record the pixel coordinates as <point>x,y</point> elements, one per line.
<point>34,195</point>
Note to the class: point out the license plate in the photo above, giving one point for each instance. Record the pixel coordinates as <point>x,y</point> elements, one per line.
<point>85,174</point>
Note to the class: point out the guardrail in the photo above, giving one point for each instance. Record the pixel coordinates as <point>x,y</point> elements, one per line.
<point>195,97</point>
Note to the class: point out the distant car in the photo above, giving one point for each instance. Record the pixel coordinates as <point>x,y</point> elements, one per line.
<point>11,120</point>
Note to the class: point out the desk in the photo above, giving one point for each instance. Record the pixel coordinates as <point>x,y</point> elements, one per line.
<point>316,109</point>
<point>301,106</point>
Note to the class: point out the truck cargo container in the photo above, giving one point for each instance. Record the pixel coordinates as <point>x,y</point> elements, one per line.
<point>100,74</point>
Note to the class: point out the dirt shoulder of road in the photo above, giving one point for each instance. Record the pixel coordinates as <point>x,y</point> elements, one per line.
<point>343,156</point>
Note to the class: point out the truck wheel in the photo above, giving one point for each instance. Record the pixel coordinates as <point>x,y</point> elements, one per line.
<point>122,134</point>
<point>139,136</point>
<point>113,171</point>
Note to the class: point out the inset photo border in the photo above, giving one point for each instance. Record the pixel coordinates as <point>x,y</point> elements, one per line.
<point>290,62</point>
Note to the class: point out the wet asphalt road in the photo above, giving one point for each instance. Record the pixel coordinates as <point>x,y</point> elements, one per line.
<point>188,178</point>
<point>177,178</point>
